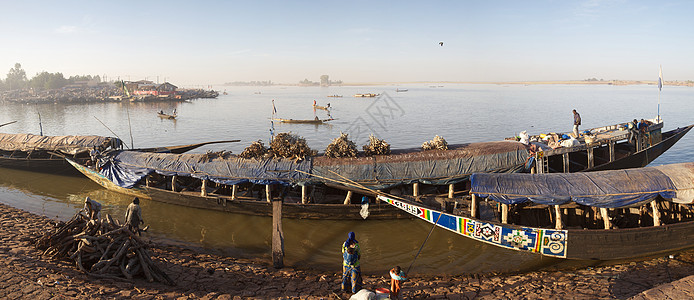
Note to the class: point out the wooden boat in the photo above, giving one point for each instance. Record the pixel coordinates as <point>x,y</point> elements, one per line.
<point>603,215</point>
<point>335,96</point>
<point>215,199</point>
<point>224,176</point>
<point>46,154</point>
<point>401,90</point>
<point>366,95</point>
<point>299,121</point>
<point>327,108</point>
<point>166,116</point>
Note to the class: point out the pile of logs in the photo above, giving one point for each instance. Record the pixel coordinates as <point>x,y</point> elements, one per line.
<point>376,147</point>
<point>341,147</point>
<point>255,150</point>
<point>290,146</point>
<point>437,143</point>
<point>101,248</point>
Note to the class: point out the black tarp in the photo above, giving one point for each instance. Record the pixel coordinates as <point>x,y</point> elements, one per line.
<point>608,189</point>
<point>69,144</point>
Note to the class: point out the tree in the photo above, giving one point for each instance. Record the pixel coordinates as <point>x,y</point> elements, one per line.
<point>16,78</point>
<point>47,81</point>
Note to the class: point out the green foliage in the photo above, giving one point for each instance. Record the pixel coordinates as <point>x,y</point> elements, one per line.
<point>48,81</point>
<point>16,78</point>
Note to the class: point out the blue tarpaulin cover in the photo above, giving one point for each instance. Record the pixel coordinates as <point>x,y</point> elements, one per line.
<point>125,168</point>
<point>608,189</point>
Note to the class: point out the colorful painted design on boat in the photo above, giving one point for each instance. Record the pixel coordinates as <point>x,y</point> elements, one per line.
<point>547,242</point>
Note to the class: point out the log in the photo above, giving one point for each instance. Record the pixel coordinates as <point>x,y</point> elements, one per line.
<point>277,235</point>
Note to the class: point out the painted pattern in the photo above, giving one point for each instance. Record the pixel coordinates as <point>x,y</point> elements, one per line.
<point>547,242</point>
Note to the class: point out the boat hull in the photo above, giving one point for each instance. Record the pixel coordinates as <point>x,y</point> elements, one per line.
<point>377,211</point>
<point>57,166</point>
<point>590,244</point>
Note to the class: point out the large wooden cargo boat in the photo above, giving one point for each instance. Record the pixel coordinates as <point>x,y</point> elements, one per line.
<point>211,180</point>
<point>603,215</point>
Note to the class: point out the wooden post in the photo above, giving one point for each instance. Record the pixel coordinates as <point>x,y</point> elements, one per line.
<point>173,183</point>
<point>451,191</point>
<point>415,189</point>
<point>147,183</point>
<point>611,148</point>
<point>277,235</point>
<point>268,193</point>
<point>203,188</point>
<point>591,158</point>
<point>303,194</point>
<point>656,213</point>
<point>348,199</point>
<point>233,191</point>
<point>557,218</point>
<point>533,170</point>
<point>565,157</point>
<point>605,218</point>
<point>504,213</point>
<point>473,206</point>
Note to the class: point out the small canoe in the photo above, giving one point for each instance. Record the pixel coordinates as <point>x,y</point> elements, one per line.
<point>313,121</point>
<point>335,96</point>
<point>366,95</point>
<point>165,116</point>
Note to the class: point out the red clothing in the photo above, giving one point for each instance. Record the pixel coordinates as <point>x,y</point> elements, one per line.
<point>396,281</point>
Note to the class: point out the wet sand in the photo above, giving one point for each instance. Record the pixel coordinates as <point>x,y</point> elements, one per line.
<point>203,274</point>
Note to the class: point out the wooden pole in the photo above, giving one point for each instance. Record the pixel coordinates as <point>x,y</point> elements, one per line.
<point>605,218</point>
<point>591,157</point>
<point>504,213</point>
<point>473,206</point>
<point>415,189</point>
<point>277,235</point>
<point>348,199</point>
<point>173,183</point>
<point>451,191</point>
<point>233,191</point>
<point>303,194</point>
<point>268,193</point>
<point>203,188</point>
<point>557,218</point>
<point>656,213</point>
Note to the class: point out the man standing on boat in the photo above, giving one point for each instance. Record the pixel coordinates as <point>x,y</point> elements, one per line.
<point>577,121</point>
<point>351,272</point>
<point>133,216</point>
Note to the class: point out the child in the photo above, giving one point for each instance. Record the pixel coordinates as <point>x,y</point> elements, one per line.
<point>397,277</point>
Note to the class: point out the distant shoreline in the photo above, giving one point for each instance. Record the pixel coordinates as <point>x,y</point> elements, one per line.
<point>565,82</point>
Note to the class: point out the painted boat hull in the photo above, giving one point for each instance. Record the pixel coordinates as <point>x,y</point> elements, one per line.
<point>587,244</point>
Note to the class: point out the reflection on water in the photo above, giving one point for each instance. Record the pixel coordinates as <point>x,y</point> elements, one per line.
<point>459,113</point>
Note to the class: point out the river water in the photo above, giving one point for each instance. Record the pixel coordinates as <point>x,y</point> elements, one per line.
<point>460,113</point>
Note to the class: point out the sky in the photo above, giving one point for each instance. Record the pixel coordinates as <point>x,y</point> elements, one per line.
<point>213,42</point>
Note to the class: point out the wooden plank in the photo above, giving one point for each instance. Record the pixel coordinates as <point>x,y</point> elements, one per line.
<point>277,235</point>
<point>504,213</point>
<point>605,218</point>
<point>348,198</point>
<point>557,217</point>
<point>656,213</point>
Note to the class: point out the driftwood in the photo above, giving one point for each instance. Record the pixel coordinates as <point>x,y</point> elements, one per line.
<point>101,248</point>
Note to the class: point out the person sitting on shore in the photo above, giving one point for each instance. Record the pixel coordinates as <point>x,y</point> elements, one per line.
<point>133,216</point>
<point>397,277</point>
<point>92,208</point>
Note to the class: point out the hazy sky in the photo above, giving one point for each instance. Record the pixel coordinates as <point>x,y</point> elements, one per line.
<point>212,42</point>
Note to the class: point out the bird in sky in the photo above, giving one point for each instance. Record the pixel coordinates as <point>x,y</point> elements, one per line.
<point>441,43</point>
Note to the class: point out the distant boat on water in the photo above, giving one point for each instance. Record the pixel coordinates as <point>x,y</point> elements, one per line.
<point>366,95</point>
<point>401,90</point>
<point>335,96</point>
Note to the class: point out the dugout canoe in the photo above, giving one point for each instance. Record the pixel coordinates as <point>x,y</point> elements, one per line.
<point>602,215</point>
<point>300,121</point>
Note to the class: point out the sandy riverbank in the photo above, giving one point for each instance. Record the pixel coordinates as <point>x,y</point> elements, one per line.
<point>202,274</point>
